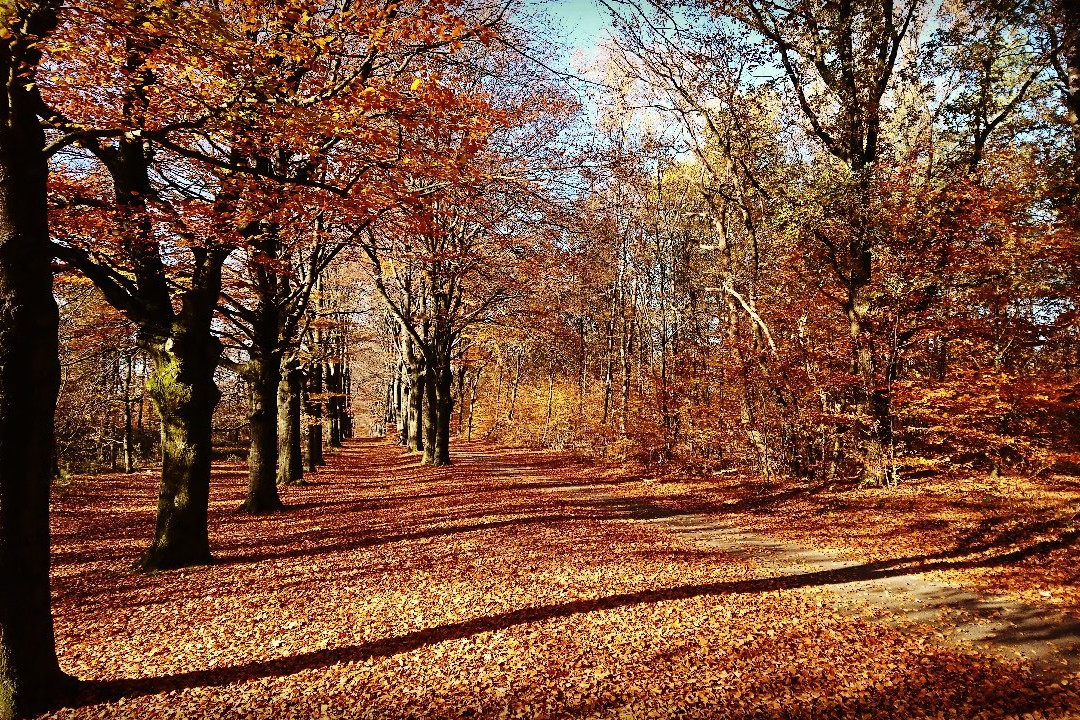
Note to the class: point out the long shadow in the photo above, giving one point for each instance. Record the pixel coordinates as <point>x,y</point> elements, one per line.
<point>110,691</point>
<point>358,543</point>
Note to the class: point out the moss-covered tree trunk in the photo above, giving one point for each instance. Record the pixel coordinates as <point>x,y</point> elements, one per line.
<point>29,381</point>
<point>290,469</point>
<point>182,387</point>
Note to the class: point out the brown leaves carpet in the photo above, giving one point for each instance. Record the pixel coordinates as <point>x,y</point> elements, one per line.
<point>393,591</point>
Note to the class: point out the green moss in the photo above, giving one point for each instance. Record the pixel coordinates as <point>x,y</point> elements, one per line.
<point>164,383</point>
<point>7,696</point>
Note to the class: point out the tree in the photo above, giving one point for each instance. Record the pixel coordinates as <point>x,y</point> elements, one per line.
<point>30,675</point>
<point>328,93</point>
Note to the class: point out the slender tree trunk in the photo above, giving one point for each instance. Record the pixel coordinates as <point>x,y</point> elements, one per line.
<point>514,386</point>
<point>460,399</point>
<point>181,385</point>
<point>290,470</point>
<point>583,376</point>
<point>315,429</point>
<point>550,401</point>
<point>129,441</point>
<point>30,676</point>
<point>416,407</point>
<point>345,406</point>
<point>625,349</point>
<point>472,400</point>
<point>404,413</point>
<point>333,389</point>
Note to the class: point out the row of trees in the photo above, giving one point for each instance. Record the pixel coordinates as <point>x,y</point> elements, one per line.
<point>206,168</point>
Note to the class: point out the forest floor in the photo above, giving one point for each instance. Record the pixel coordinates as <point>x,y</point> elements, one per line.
<point>530,584</point>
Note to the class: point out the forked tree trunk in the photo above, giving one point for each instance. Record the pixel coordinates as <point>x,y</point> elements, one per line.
<point>29,381</point>
<point>290,470</point>
<point>264,375</point>
<point>181,385</point>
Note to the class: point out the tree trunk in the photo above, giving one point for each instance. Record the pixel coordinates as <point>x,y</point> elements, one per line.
<point>472,401</point>
<point>402,405</point>
<point>29,382</point>
<point>129,440</point>
<point>444,411</point>
<point>872,403</point>
<point>1070,48</point>
<point>460,399</point>
<point>290,470</point>
<point>315,429</point>
<point>345,403</point>
<point>264,375</point>
<point>332,375</point>
<point>182,387</point>
<point>516,380</point>
<point>431,416</point>
<point>416,407</point>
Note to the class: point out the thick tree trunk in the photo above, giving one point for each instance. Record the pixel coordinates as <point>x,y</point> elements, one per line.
<point>444,399</point>
<point>431,416</point>
<point>872,403</point>
<point>29,381</point>
<point>182,387</point>
<point>290,470</point>
<point>264,376</point>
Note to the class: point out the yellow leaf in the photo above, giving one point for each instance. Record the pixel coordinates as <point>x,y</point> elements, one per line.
<point>416,84</point>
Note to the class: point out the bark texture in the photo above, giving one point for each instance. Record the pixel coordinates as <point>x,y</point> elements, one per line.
<point>29,381</point>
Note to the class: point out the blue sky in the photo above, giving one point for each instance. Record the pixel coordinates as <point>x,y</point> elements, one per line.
<point>577,23</point>
<point>580,20</point>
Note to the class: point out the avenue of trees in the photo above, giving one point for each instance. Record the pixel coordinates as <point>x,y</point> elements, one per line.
<point>819,241</point>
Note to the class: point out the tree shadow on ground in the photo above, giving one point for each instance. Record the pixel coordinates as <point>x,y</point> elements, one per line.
<point>110,691</point>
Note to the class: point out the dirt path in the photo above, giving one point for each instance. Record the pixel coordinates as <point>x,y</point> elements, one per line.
<point>893,593</point>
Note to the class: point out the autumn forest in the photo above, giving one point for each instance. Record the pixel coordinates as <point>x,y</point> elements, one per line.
<point>540,359</point>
